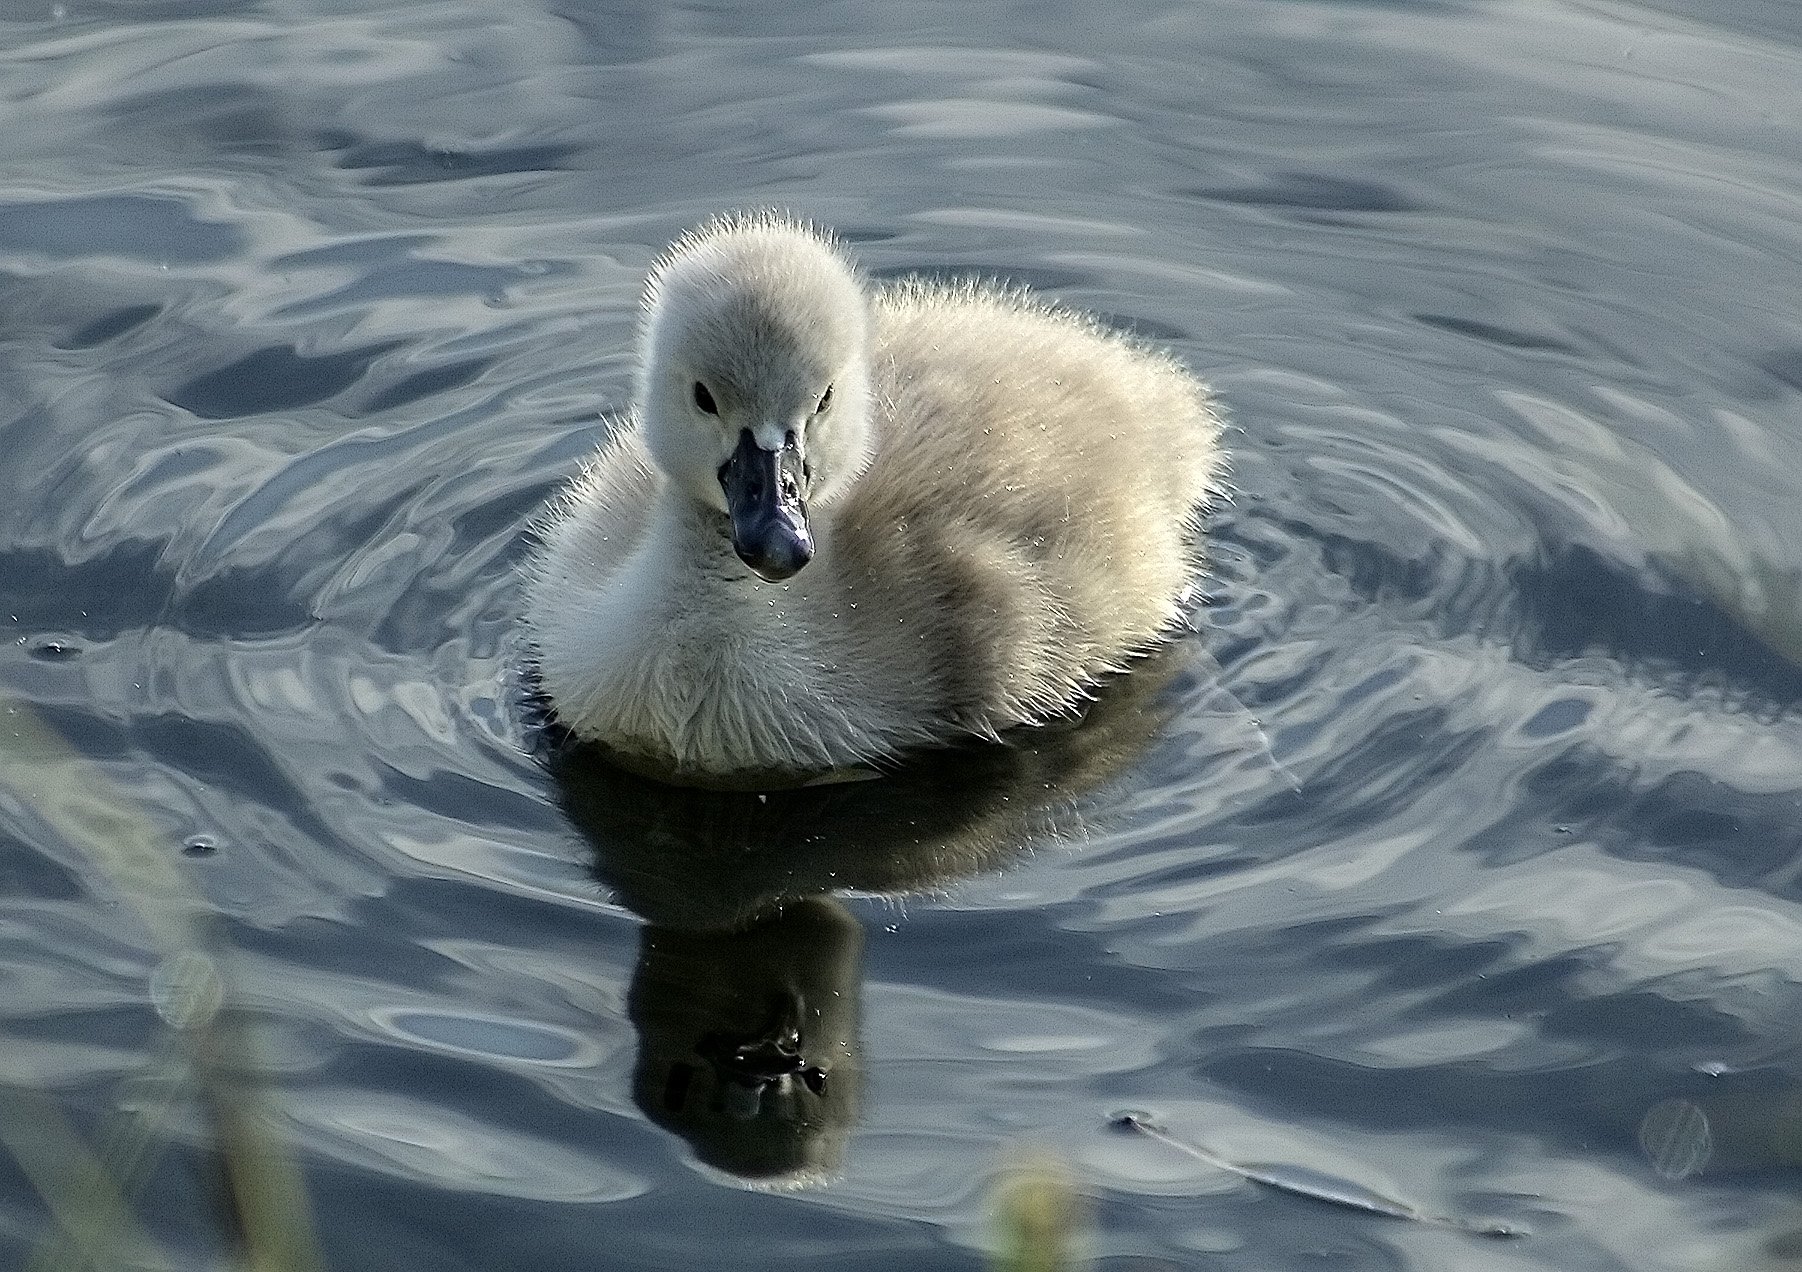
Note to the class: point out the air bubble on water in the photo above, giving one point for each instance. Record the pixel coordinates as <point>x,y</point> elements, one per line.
<point>186,990</point>
<point>1676,1138</point>
<point>52,650</point>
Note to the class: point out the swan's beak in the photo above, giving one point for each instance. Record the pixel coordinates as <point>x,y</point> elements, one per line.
<point>766,495</point>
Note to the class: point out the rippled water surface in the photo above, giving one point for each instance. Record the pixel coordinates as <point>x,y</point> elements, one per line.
<point>1454,867</point>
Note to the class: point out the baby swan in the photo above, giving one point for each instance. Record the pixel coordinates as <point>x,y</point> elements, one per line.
<point>845,520</point>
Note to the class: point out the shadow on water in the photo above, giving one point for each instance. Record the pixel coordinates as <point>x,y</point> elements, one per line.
<point>747,990</point>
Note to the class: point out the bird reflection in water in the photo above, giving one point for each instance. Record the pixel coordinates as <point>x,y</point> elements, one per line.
<point>746,995</point>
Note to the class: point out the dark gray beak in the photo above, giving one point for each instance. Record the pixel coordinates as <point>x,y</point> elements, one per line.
<point>766,495</point>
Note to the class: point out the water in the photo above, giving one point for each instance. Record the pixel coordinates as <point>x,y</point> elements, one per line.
<point>1454,865</point>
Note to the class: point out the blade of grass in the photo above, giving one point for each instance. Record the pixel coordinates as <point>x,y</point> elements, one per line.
<point>1040,1217</point>
<point>270,1211</point>
<point>98,1229</point>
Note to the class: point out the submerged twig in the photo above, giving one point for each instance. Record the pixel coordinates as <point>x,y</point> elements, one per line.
<point>1301,1181</point>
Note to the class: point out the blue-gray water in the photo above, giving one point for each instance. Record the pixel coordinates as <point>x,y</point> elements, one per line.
<point>1467,834</point>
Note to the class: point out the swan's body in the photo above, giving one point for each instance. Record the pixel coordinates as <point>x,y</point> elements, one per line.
<point>1001,497</point>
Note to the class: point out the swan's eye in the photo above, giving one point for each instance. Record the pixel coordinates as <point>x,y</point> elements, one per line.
<point>824,402</point>
<point>704,399</point>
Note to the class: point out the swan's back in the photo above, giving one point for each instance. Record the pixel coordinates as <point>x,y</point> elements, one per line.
<point>1032,510</point>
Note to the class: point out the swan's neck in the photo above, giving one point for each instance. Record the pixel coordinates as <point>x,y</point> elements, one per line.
<point>689,657</point>
<point>689,536</point>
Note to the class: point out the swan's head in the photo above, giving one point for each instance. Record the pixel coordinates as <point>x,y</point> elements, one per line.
<point>754,380</point>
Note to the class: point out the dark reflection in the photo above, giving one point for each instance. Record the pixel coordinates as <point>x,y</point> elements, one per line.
<point>137,227</point>
<point>748,1039</point>
<point>111,326</point>
<point>278,378</point>
<point>409,163</point>
<point>1496,333</point>
<point>1784,366</point>
<point>1315,192</point>
<point>747,990</point>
